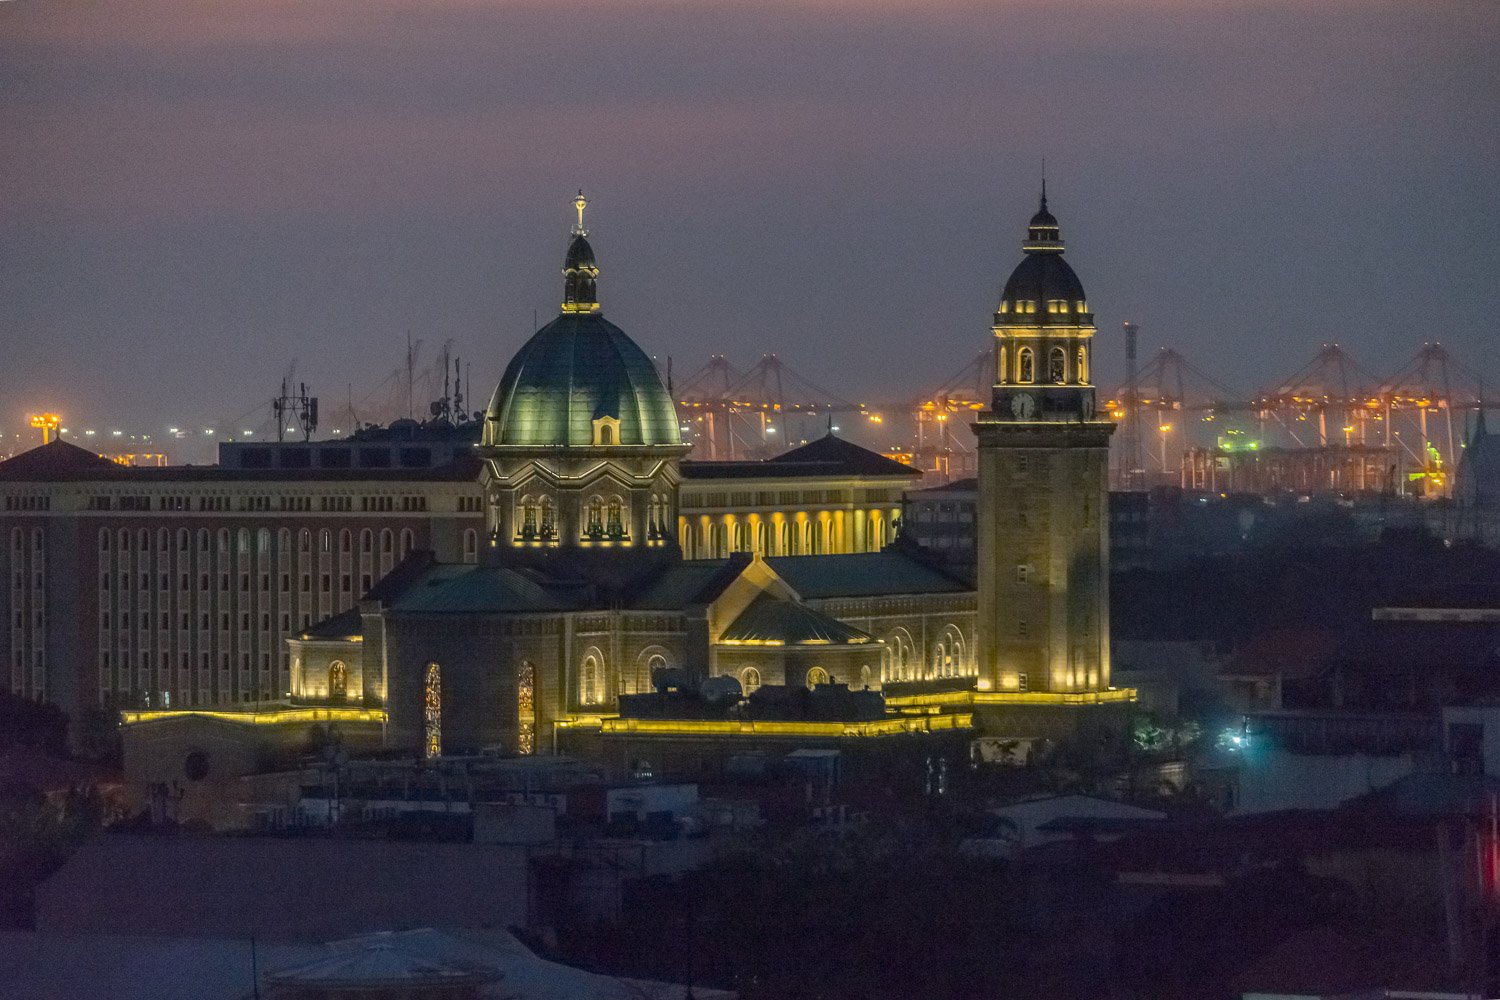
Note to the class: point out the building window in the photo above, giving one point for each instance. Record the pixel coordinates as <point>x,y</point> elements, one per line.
<point>1057,366</point>
<point>1082,372</point>
<point>588,681</point>
<point>526,709</point>
<point>1023,573</point>
<point>607,432</point>
<point>1025,366</point>
<point>750,680</point>
<point>338,681</point>
<point>432,711</point>
<point>641,681</point>
<point>1023,629</point>
<point>816,677</point>
<point>1021,682</point>
<point>593,518</point>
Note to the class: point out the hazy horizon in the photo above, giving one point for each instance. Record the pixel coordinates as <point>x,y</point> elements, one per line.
<point>197,195</point>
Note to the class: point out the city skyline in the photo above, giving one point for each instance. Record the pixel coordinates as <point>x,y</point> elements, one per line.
<point>1246,184</point>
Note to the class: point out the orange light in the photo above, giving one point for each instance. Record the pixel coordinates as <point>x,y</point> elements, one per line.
<point>48,423</point>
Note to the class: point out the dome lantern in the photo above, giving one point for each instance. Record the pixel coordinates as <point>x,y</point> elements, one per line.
<point>580,380</point>
<point>580,271</point>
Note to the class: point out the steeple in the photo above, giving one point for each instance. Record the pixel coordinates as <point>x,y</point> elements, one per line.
<point>1042,234</point>
<point>580,272</point>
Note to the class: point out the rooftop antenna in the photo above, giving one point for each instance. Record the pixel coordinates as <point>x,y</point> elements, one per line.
<point>580,203</point>
<point>410,375</point>
<point>458,393</point>
<point>447,386</point>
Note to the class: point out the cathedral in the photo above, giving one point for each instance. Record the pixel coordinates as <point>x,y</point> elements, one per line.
<point>582,600</point>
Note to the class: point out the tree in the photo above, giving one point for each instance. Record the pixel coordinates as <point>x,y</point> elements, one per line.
<point>38,726</point>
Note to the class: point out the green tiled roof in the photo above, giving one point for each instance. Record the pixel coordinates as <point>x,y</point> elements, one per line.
<point>576,369</point>
<point>770,619</point>
<point>863,575</point>
<point>465,589</point>
<point>693,582</point>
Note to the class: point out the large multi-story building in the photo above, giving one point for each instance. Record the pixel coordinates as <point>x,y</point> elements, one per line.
<point>564,560</point>
<point>179,586</point>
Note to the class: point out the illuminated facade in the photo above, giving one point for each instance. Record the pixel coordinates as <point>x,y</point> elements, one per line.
<point>1043,546</point>
<point>591,583</point>
<point>582,593</point>
<point>828,497</point>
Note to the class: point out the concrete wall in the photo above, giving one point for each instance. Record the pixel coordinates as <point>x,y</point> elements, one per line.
<point>1270,779</point>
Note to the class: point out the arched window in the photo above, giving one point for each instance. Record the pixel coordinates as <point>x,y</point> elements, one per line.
<point>432,712</point>
<point>864,676</point>
<point>749,680</point>
<point>593,518</point>
<point>654,663</point>
<point>304,541</point>
<point>407,541</point>
<point>763,538</point>
<point>720,535</point>
<point>1057,366</point>
<point>1025,366</point>
<point>530,510</point>
<point>615,527</point>
<point>953,651</point>
<point>325,541</point>
<point>346,541</point>
<point>588,681</point>
<point>816,676</point>
<point>338,681</point>
<point>1082,370</point>
<point>741,537</point>
<point>367,541</point>
<point>606,435</point>
<point>526,709</point>
<point>903,657</point>
<point>548,526</point>
<point>387,541</point>
<point>1000,365</point>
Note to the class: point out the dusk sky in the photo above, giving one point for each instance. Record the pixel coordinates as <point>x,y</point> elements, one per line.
<point>196,194</point>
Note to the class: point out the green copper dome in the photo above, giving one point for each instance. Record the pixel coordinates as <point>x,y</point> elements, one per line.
<point>580,381</point>
<point>578,369</point>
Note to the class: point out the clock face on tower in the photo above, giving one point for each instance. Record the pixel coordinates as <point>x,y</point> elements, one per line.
<point>1023,406</point>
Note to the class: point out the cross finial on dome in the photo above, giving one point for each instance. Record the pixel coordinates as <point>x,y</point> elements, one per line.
<point>580,203</point>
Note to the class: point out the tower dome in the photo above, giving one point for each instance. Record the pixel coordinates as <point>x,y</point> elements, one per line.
<point>580,381</point>
<point>1043,285</point>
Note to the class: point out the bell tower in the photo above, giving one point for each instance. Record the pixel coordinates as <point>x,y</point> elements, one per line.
<point>1043,485</point>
